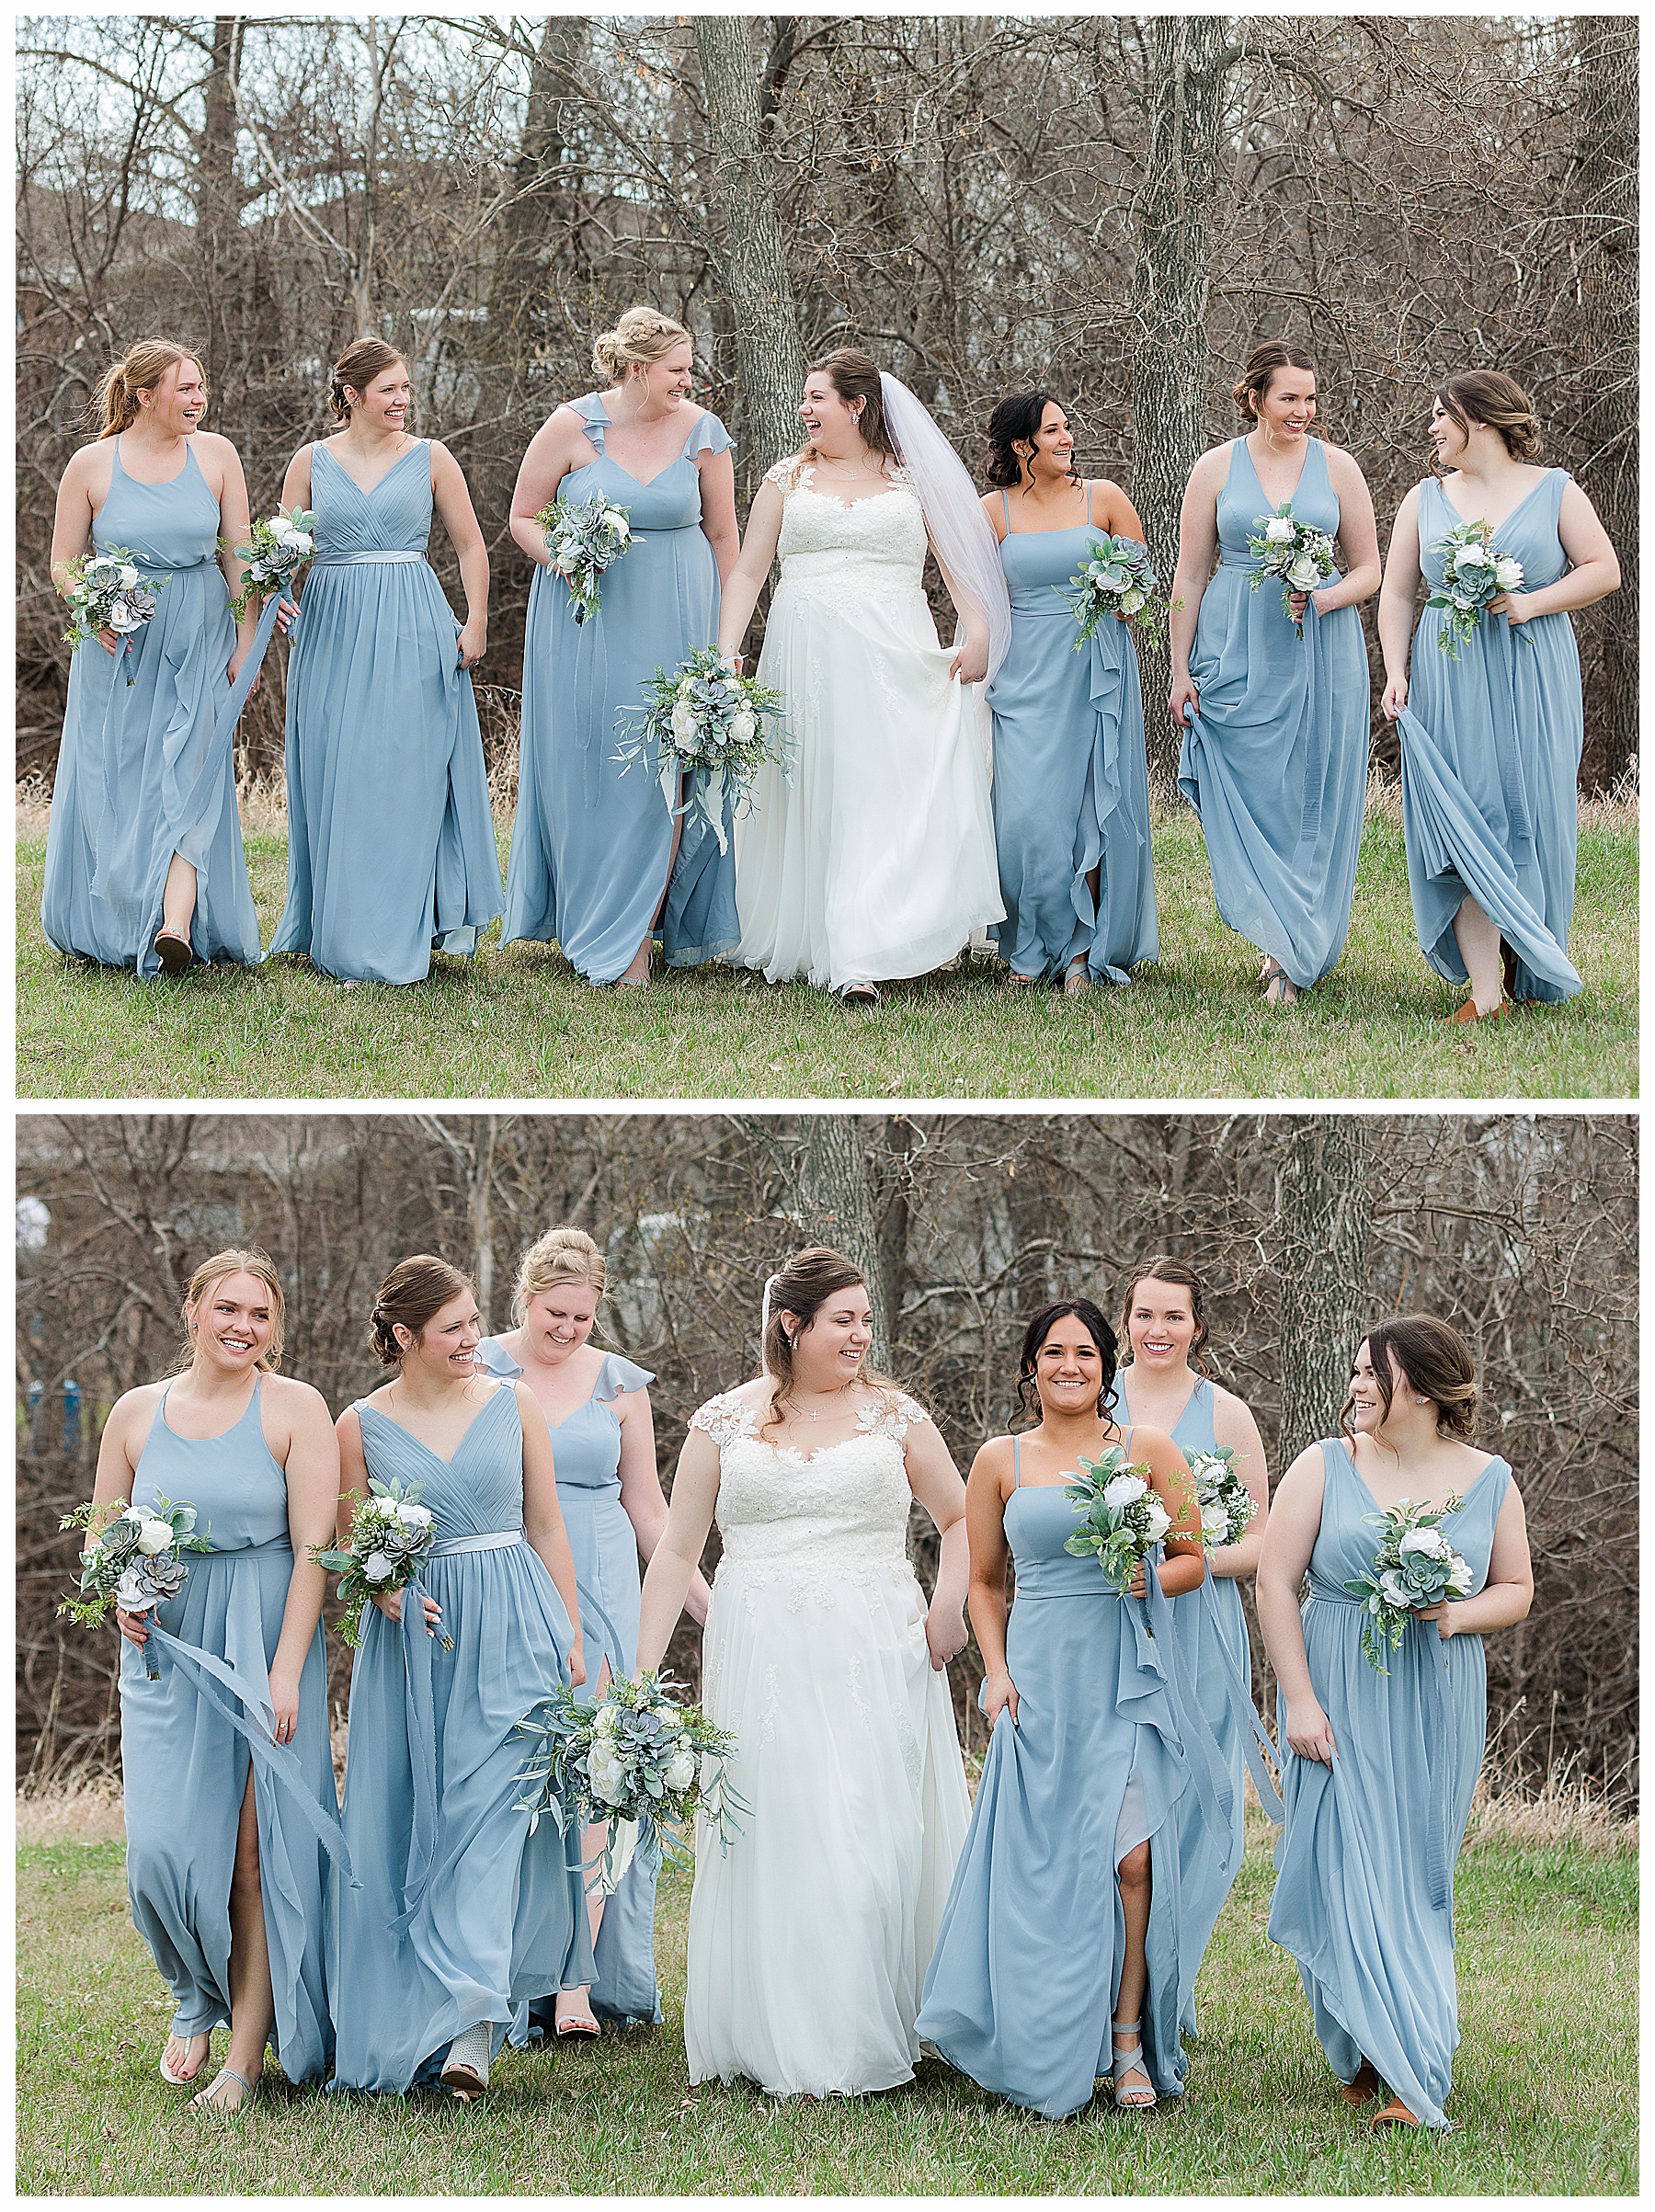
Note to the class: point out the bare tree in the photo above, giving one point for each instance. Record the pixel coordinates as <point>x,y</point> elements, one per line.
<point>1327,1218</point>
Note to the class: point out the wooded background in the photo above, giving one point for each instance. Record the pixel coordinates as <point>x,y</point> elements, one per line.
<point>1522,1230</point>
<point>1118,207</point>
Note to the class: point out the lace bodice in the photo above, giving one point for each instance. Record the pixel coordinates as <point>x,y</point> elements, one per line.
<point>840,1513</point>
<point>872,543</point>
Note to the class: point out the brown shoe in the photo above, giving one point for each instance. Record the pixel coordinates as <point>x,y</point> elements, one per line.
<point>1467,1012</point>
<point>1364,2089</point>
<point>175,954</point>
<point>1396,2114</point>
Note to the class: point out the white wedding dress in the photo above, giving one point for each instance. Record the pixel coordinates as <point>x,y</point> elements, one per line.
<point>810,1938</point>
<point>878,859</point>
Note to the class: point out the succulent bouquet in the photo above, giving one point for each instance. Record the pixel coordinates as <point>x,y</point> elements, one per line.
<point>1122,1518</point>
<point>106,591</point>
<point>391,1536</point>
<point>1414,1565</point>
<point>135,1562</point>
<point>278,550</point>
<point>1290,550</point>
<point>1472,574</point>
<point>710,723</point>
<point>584,536</point>
<point>1116,577</point>
<point>1226,1504</point>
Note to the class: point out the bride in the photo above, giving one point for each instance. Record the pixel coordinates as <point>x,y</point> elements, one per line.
<point>878,859</point>
<point>810,1937</point>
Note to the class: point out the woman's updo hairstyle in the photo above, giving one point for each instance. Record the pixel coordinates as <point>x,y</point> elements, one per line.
<point>115,403</point>
<point>1498,403</point>
<point>1435,1360</point>
<point>801,1288</point>
<point>1258,368</point>
<point>854,375</point>
<point>1091,1319</point>
<point>1162,1267</point>
<point>641,337</point>
<point>412,1293</point>
<point>212,1271</point>
<point>357,367</point>
<point>560,1256</point>
<point>1017,418</point>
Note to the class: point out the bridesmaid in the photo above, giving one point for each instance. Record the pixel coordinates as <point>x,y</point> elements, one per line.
<point>598,860</point>
<point>143,850</point>
<point>1490,742</point>
<point>1275,745</point>
<point>231,1812</point>
<point>1163,1321</point>
<point>391,844</point>
<point>597,1405</point>
<point>1378,1784</point>
<point>1035,1989</point>
<point>1071,784</point>
<point>463,1912</point>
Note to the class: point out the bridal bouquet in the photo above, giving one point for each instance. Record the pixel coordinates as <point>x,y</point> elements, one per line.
<point>1472,574</point>
<point>708,721</point>
<point>1302,558</point>
<point>1116,577</point>
<point>1226,1504</point>
<point>636,1754</point>
<point>1414,1565</point>
<point>280,549</point>
<point>1122,1518</point>
<point>135,1563</point>
<point>107,592</point>
<point>391,1537</point>
<point>584,537</point>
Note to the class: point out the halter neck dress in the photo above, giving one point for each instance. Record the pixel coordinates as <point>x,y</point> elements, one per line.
<point>391,844</point>
<point>586,1450</point>
<point>1364,1867</point>
<point>1490,750</point>
<point>1071,782</point>
<point>186,1741</point>
<point>463,1912</point>
<point>591,841</point>
<point>1276,761</point>
<point>136,780</point>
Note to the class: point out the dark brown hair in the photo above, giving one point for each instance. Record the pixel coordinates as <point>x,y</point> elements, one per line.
<point>802,1287</point>
<point>1091,1318</point>
<point>1498,403</point>
<point>1436,1360</point>
<point>361,362</point>
<point>1258,368</point>
<point>854,375</point>
<point>412,1293</point>
<point>115,403</point>
<point>1162,1267</point>
<point>1019,417</point>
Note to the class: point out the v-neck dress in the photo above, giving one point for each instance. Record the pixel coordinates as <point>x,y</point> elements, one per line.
<point>391,844</point>
<point>134,782</point>
<point>592,840</point>
<point>1364,1867</point>
<point>463,1912</point>
<point>1491,748</point>
<point>1276,762</point>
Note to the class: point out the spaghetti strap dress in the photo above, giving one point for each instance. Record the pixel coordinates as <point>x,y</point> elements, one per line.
<point>1364,1867</point>
<point>462,1911</point>
<point>391,843</point>
<point>187,1740</point>
<point>138,778</point>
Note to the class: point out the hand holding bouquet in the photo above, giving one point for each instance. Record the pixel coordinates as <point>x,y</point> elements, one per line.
<point>280,549</point>
<point>1473,575</point>
<point>1116,577</point>
<point>1414,1566</point>
<point>1123,1520</point>
<point>1226,1504</point>
<point>584,538</point>
<point>1302,558</point>
<point>708,721</point>
<point>106,591</point>
<point>391,1536</point>
<point>135,1564</point>
<point>636,1754</point>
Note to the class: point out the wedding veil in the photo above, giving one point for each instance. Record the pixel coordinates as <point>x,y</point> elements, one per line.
<point>959,531</point>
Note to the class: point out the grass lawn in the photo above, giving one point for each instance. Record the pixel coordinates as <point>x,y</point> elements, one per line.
<point>519,1023</point>
<point>1544,2097</point>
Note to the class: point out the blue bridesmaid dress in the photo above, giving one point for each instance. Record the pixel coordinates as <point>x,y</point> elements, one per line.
<point>186,1741</point>
<point>1275,763</point>
<point>587,1451</point>
<point>591,840</point>
<point>1021,1986</point>
<point>391,844</point>
<point>1209,1630</point>
<point>1071,784</point>
<point>1492,758</point>
<point>462,1913</point>
<point>1364,1867</point>
<point>138,778</point>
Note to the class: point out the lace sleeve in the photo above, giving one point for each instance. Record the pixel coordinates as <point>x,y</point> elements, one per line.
<point>785,475</point>
<point>894,1416</point>
<point>723,1417</point>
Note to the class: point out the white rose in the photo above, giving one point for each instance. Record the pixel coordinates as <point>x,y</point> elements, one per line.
<point>1131,600</point>
<point>680,1771</point>
<point>281,529</point>
<point>1431,1541</point>
<point>130,1594</point>
<point>96,564</point>
<point>122,619</point>
<point>136,1514</point>
<point>154,1537</point>
<point>617,522</point>
<point>1278,531</point>
<point>742,727</point>
<point>1459,1578</point>
<point>604,1721</point>
<point>683,721</point>
<point>686,686</point>
<point>1474,556</point>
<point>413,1516</point>
<point>300,540</point>
<point>1157,1520</point>
<point>1391,1583</point>
<point>1124,1489</point>
<point>606,1771</point>
<point>1305,573</point>
<point>379,1566</point>
<point>1214,1524</point>
<point>128,576</point>
<point>1508,573</point>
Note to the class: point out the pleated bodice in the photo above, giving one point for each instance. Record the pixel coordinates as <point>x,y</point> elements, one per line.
<point>394,516</point>
<point>479,1492</point>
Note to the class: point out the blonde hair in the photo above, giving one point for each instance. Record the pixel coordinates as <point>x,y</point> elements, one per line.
<point>115,403</point>
<point>560,1256</point>
<point>361,362</point>
<point>237,1262</point>
<point>642,335</point>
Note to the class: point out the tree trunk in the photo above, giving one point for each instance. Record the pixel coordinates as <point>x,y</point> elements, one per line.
<point>1326,1210</point>
<point>539,230</point>
<point>218,211</point>
<point>836,1206</point>
<point>1602,201</point>
<point>751,256</point>
<point>1168,352</point>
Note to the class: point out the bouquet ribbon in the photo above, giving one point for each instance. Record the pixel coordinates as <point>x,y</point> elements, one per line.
<point>1253,1731</point>
<point>1151,1619</point>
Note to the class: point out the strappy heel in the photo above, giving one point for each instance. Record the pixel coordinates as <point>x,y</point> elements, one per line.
<point>1129,2059</point>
